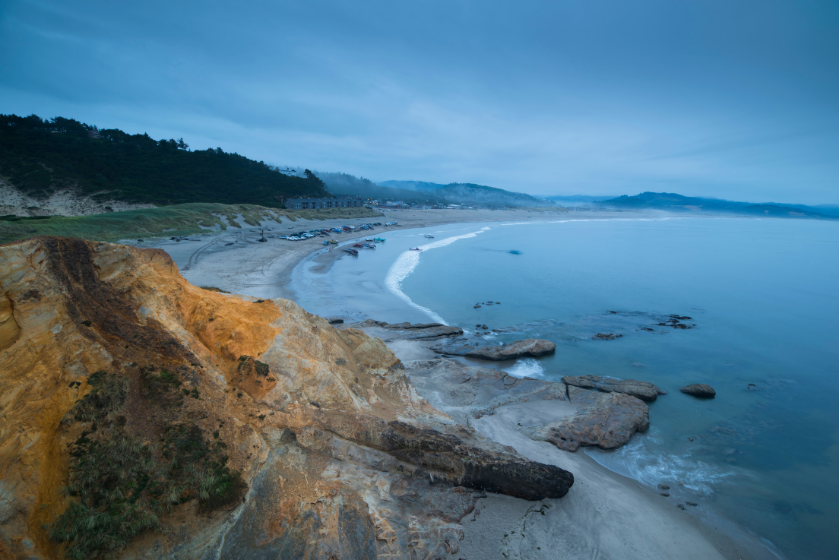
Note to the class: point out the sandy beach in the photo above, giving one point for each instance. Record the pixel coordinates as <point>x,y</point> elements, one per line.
<point>604,516</point>
<point>235,261</point>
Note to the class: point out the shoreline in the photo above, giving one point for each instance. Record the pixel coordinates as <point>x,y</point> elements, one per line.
<point>265,269</point>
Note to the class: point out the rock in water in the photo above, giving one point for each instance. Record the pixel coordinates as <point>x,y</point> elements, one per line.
<point>531,348</point>
<point>700,390</point>
<point>606,336</point>
<point>608,422</point>
<point>639,389</point>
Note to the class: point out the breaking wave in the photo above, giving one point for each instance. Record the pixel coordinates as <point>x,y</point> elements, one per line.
<point>408,261</point>
<point>526,367</point>
<point>637,460</point>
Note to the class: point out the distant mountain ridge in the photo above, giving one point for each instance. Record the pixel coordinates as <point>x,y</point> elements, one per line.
<point>345,184</point>
<point>38,157</point>
<point>679,203</point>
<point>470,193</point>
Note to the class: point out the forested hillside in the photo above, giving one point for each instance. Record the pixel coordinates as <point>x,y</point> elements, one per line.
<point>40,156</point>
<point>344,184</point>
<point>678,203</point>
<point>470,193</point>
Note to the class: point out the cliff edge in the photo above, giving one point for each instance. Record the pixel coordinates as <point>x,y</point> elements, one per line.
<point>144,417</point>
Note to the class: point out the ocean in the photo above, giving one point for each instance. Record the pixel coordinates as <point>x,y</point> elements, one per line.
<point>762,297</point>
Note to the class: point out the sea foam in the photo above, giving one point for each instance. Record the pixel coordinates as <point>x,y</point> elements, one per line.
<point>408,261</point>
<point>526,367</point>
<point>644,459</point>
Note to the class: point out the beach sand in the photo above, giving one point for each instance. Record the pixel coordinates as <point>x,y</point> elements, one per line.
<point>235,261</point>
<point>605,515</point>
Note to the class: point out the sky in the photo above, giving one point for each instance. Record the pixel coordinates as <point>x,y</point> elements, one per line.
<point>723,98</point>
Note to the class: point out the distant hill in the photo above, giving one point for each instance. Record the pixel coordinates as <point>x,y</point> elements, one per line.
<point>39,157</point>
<point>470,193</point>
<point>577,199</point>
<point>678,203</point>
<point>344,184</point>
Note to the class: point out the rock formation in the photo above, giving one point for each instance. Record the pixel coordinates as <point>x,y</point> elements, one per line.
<point>531,347</point>
<point>639,389</point>
<point>700,390</point>
<point>607,421</point>
<point>144,417</point>
<point>407,331</point>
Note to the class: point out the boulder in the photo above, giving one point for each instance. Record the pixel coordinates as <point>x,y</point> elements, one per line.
<point>700,390</point>
<point>639,389</point>
<point>608,423</point>
<point>531,347</point>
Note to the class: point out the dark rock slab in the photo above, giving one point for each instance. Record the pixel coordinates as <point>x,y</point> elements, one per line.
<point>700,390</point>
<point>407,331</point>
<point>639,389</point>
<point>606,336</point>
<point>531,347</point>
<point>608,423</point>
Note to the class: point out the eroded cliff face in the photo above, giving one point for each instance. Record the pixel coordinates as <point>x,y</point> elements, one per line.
<point>183,423</point>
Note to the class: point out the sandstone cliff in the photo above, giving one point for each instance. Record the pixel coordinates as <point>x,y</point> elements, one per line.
<point>143,417</point>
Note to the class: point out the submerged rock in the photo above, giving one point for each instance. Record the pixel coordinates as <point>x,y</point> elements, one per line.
<point>531,347</point>
<point>640,389</point>
<point>606,336</point>
<point>700,390</point>
<point>608,423</point>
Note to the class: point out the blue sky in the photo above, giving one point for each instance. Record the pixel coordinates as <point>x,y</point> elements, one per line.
<point>731,99</point>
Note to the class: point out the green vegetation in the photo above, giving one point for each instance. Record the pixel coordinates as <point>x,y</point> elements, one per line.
<point>121,485</point>
<point>181,219</point>
<point>39,156</point>
<point>247,364</point>
<point>470,194</point>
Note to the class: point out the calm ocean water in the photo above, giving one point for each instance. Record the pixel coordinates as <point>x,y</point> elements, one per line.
<point>762,293</point>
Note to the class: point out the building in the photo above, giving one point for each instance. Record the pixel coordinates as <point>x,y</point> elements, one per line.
<point>318,203</point>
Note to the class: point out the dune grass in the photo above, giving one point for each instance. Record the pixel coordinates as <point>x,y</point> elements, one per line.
<point>179,219</point>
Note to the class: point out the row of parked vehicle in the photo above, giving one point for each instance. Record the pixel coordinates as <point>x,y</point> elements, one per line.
<point>327,232</point>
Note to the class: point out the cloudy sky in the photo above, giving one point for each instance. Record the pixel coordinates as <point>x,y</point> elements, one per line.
<point>726,98</point>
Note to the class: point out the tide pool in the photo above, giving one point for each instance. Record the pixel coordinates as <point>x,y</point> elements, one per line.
<point>763,301</point>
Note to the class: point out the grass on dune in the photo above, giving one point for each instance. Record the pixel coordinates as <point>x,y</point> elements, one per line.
<point>179,219</point>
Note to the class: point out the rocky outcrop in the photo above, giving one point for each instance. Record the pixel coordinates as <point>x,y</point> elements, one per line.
<point>607,421</point>
<point>639,389</point>
<point>241,427</point>
<point>406,331</point>
<point>531,347</point>
<point>467,392</point>
<point>700,390</point>
<point>569,416</point>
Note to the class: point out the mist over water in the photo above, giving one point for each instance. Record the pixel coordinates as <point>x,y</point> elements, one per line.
<point>763,297</point>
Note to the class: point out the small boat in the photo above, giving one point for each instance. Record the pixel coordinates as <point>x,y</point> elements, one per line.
<point>415,249</point>
<point>370,240</point>
<point>370,246</point>
<point>357,245</point>
<point>326,242</point>
<point>427,236</point>
<point>378,240</point>
<point>333,242</point>
<point>351,251</point>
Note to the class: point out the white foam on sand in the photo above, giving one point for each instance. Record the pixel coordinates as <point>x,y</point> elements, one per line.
<point>526,367</point>
<point>638,461</point>
<point>408,261</point>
